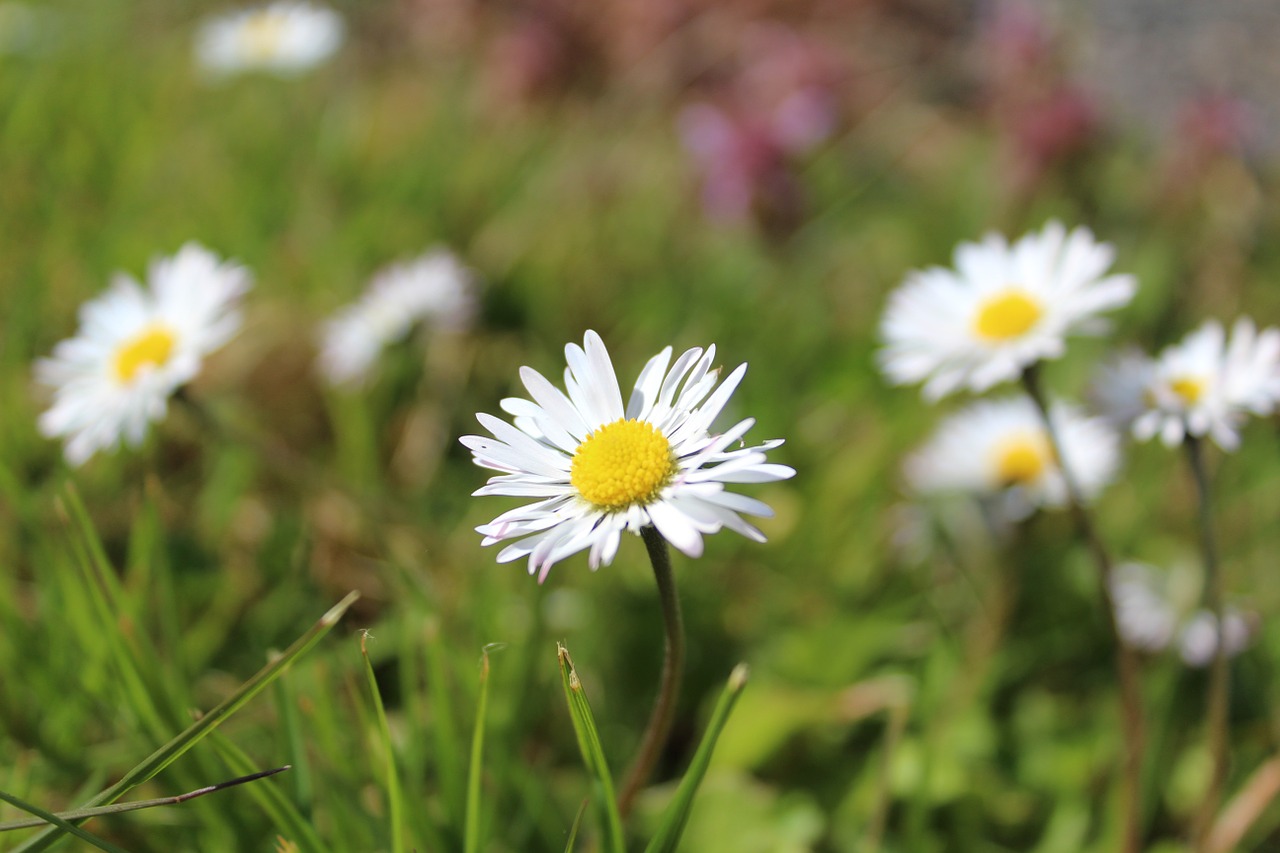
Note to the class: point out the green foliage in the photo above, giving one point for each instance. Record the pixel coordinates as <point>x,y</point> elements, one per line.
<point>949,696</point>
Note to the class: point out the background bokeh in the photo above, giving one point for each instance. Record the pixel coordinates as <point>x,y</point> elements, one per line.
<point>675,172</point>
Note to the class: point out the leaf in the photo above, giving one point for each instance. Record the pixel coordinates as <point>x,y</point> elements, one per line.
<point>584,726</point>
<point>676,816</point>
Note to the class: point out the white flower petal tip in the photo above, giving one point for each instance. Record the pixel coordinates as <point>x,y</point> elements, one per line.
<point>597,469</point>
<point>136,347</point>
<point>1204,386</point>
<point>285,37</point>
<point>434,289</point>
<point>999,450</point>
<point>1001,309</point>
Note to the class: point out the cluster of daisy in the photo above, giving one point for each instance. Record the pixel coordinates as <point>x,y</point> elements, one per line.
<point>1006,307</point>
<point>1150,617</point>
<point>138,346</point>
<point>1001,310</point>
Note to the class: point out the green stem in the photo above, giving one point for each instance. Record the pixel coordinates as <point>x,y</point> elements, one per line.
<point>1127,669</point>
<point>1218,698</point>
<point>664,707</point>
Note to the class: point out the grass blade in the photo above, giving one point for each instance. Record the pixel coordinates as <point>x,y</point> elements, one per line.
<point>577,823</point>
<point>677,814</point>
<point>136,805</point>
<point>282,811</point>
<point>395,802</point>
<point>61,823</point>
<point>197,731</point>
<point>584,726</point>
<point>472,837</point>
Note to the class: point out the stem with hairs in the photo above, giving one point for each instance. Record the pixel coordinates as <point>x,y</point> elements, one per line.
<point>1217,700</point>
<point>1127,669</point>
<point>664,707</point>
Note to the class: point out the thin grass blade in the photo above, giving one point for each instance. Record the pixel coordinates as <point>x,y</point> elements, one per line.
<point>61,823</point>
<point>584,726</point>
<point>472,837</point>
<point>577,824</point>
<point>676,816</point>
<point>197,731</point>
<point>395,801</point>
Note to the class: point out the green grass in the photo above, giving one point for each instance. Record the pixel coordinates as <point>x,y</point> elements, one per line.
<point>884,711</point>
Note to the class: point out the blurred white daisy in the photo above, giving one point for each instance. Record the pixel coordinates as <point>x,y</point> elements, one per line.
<point>1146,619</point>
<point>434,288</point>
<point>136,347</point>
<point>284,37</point>
<point>1198,639</point>
<point>1202,386</point>
<point>1000,449</point>
<point>597,468</point>
<point>1003,308</point>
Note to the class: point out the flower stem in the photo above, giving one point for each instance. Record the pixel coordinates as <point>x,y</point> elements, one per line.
<point>664,707</point>
<point>1218,698</point>
<point>1127,670</point>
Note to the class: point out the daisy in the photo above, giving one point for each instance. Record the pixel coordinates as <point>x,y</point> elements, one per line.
<point>1000,449</point>
<point>1146,619</point>
<point>597,468</point>
<point>285,37</point>
<point>435,288</point>
<point>1198,640</point>
<point>1205,385</point>
<point>1003,308</point>
<point>136,347</point>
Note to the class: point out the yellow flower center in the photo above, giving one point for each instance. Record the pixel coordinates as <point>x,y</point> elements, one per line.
<point>1189,388</point>
<point>262,34</point>
<point>152,347</point>
<point>1021,460</point>
<point>623,463</point>
<point>1006,315</point>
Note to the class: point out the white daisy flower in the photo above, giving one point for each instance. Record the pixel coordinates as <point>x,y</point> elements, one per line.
<point>435,288</point>
<point>598,469</point>
<point>284,37</point>
<point>1003,308</point>
<point>1198,640</point>
<point>1145,617</point>
<point>136,347</point>
<point>1000,449</point>
<point>1202,386</point>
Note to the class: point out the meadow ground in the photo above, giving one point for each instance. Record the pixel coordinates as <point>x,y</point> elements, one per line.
<point>918,681</point>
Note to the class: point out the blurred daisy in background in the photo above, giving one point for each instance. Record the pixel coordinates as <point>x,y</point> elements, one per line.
<point>1202,386</point>
<point>1155,611</point>
<point>1198,639</point>
<point>1146,618</point>
<point>136,346</point>
<point>435,289</point>
<point>596,468</point>
<point>1003,308</point>
<point>1000,449</point>
<point>285,37</point>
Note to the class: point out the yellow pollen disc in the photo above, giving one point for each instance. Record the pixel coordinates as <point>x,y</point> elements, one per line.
<point>150,348</point>
<point>623,463</point>
<point>1006,315</point>
<point>262,34</point>
<point>1188,388</point>
<point>1021,461</point>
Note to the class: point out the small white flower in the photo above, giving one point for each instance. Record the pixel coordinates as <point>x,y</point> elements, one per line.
<point>284,37</point>
<point>1000,449</point>
<point>435,288</point>
<point>1198,640</point>
<point>1145,617</point>
<point>1003,308</point>
<point>597,469</point>
<point>1201,386</point>
<point>136,347</point>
